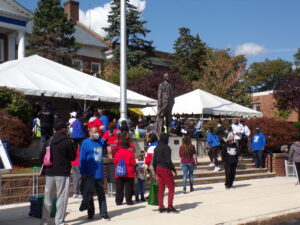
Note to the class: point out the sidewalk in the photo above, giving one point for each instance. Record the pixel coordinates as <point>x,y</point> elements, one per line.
<point>209,204</point>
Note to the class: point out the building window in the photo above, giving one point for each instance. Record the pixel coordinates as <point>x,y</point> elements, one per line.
<point>78,63</point>
<point>1,50</point>
<point>256,107</point>
<point>95,68</point>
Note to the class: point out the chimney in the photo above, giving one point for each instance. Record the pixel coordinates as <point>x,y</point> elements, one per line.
<point>72,10</point>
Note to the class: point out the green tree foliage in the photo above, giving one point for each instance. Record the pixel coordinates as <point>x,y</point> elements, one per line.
<point>222,76</point>
<point>264,76</point>
<point>190,53</point>
<point>132,74</point>
<point>139,50</point>
<point>297,58</point>
<point>52,33</point>
<point>14,103</point>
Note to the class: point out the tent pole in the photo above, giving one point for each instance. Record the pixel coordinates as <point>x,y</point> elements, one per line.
<point>84,106</point>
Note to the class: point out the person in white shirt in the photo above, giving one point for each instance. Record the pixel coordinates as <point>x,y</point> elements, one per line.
<point>245,140</point>
<point>237,130</point>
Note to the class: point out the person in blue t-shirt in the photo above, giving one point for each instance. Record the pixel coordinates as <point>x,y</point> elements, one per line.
<point>213,143</point>
<point>104,119</point>
<point>258,146</point>
<point>92,172</point>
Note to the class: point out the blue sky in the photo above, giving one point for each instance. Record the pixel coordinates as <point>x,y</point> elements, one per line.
<point>259,28</point>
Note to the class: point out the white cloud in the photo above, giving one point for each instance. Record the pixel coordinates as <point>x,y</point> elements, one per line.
<point>250,49</point>
<point>96,18</point>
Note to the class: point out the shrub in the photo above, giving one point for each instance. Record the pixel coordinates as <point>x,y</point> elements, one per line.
<point>14,130</point>
<point>15,104</point>
<point>276,132</point>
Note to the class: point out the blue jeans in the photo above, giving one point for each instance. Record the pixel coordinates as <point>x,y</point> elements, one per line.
<point>258,158</point>
<point>188,168</point>
<point>140,188</point>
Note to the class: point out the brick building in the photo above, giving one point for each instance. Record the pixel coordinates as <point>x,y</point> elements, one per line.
<point>265,103</point>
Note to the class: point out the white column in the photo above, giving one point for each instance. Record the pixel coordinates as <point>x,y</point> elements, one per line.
<point>21,44</point>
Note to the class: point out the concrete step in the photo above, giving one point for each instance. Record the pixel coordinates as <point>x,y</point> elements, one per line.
<point>218,179</point>
<point>201,173</point>
<point>207,167</point>
<point>207,162</point>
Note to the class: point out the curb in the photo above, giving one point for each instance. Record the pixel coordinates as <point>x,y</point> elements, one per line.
<point>268,219</point>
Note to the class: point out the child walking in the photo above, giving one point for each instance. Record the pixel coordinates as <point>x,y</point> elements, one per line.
<point>140,175</point>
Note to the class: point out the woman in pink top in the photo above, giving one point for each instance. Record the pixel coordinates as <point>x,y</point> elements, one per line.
<point>188,157</point>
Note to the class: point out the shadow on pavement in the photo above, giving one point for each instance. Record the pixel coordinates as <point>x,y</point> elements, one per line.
<point>186,206</point>
<point>241,185</point>
<point>196,189</point>
<point>112,214</point>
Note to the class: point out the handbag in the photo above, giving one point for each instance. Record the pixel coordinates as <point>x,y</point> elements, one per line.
<point>47,157</point>
<point>153,194</point>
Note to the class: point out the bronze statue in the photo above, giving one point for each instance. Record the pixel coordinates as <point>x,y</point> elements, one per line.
<point>165,104</point>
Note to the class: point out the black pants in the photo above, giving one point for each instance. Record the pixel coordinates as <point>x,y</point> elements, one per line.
<point>230,170</point>
<point>99,187</point>
<point>298,170</point>
<point>77,142</point>
<point>213,154</point>
<point>124,184</point>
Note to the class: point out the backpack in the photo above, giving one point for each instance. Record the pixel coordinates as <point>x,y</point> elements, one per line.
<point>121,168</point>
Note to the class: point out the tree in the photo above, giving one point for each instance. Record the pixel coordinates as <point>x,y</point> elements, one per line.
<point>147,85</point>
<point>189,55</point>
<point>277,133</point>
<point>264,76</point>
<point>139,50</point>
<point>52,33</point>
<point>222,76</point>
<point>14,103</point>
<point>297,58</point>
<point>288,91</point>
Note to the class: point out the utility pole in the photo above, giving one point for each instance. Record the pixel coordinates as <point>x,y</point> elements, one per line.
<point>123,64</point>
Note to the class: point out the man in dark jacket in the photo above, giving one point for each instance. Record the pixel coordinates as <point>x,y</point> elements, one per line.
<point>58,175</point>
<point>165,172</point>
<point>230,157</point>
<point>47,118</point>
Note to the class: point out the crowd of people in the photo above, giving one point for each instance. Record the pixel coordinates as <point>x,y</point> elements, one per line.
<point>79,146</point>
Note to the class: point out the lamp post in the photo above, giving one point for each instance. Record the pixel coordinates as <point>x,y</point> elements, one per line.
<point>123,64</point>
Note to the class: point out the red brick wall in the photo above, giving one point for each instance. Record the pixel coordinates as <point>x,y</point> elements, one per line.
<point>87,62</point>
<point>267,107</point>
<point>276,164</point>
<point>72,10</point>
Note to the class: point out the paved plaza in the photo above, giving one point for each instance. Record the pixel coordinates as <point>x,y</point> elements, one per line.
<point>209,204</point>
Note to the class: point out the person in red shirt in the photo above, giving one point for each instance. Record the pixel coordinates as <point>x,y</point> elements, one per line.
<point>125,183</point>
<point>111,137</point>
<point>188,157</point>
<point>94,121</point>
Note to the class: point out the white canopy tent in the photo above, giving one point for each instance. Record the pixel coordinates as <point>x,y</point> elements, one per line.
<point>202,102</point>
<point>39,76</point>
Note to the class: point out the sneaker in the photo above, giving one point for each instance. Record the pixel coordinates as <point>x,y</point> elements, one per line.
<point>90,217</point>
<point>217,169</point>
<point>192,189</point>
<point>107,218</point>
<point>75,196</point>
<point>137,199</point>
<point>129,203</point>
<point>80,196</point>
<point>211,164</point>
<point>184,191</point>
<point>162,210</point>
<point>172,210</point>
